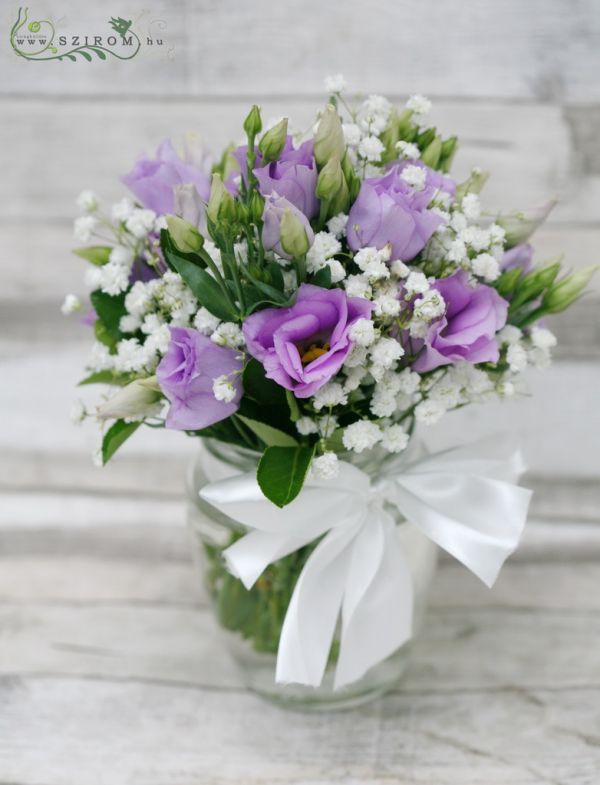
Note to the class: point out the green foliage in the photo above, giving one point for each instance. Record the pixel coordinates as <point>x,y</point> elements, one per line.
<point>282,471</point>
<point>116,435</point>
<point>108,377</point>
<point>109,309</point>
<point>95,254</point>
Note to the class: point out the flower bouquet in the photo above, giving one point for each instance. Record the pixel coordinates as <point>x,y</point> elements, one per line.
<point>299,306</point>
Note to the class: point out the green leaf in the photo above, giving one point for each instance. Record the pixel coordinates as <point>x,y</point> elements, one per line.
<point>116,435</point>
<point>104,336</point>
<point>282,471</point>
<point>322,277</point>
<point>96,254</point>
<point>204,287</point>
<point>272,437</point>
<point>107,377</point>
<point>259,388</point>
<point>110,310</point>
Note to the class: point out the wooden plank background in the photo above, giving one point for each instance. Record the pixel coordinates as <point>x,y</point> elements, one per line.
<point>110,670</point>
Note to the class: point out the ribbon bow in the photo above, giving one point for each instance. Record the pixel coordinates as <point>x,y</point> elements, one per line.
<point>464,499</point>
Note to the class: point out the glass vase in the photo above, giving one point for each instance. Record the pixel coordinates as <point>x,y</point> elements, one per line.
<point>251,621</point>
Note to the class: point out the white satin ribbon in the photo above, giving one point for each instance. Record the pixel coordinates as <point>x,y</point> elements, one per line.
<point>463,499</point>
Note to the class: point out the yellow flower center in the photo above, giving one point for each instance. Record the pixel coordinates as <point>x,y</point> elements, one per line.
<point>313,351</point>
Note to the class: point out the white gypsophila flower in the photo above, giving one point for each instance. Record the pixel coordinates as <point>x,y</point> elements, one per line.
<point>356,357</point>
<point>476,238</point>
<point>516,357</point>
<point>542,338</point>
<point>414,176</point>
<point>497,233</point>
<point>325,246</point>
<point>395,438</point>
<point>361,435</point>
<point>354,377</point>
<point>331,394</point>
<point>326,466</point>
<point>114,278</point>
<point>371,148</point>
<point>408,381</point>
<point>78,412</point>
<point>87,201</point>
<point>290,281</point>
<point>383,402</point>
<point>100,358</point>
<point>337,224</point>
<point>362,332</point>
<point>138,299</point>
<point>83,228</point>
<point>447,392</point>
<point>385,352</point>
<point>157,343</point>
<point>485,266</point>
<point>505,389</point>
<point>129,323</point>
<point>419,104</point>
<point>416,283</point>
<point>539,358</point>
<point>408,150</point>
<point>458,222</point>
<point>471,206</point>
<point>92,278</point>
<point>140,222</point>
<point>352,134</point>
<point>160,223</point>
<point>131,356</point>
<point>306,426</point>
<point>337,270</point>
<point>399,269</point>
<point>373,114</point>
<point>509,334</point>
<point>71,304</point>
<point>476,382</point>
<point>121,255</point>
<point>205,322</point>
<point>372,263</point>
<point>429,412</point>
<point>418,328</point>
<point>122,210</point>
<point>497,251</point>
<point>228,334</point>
<point>223,389</point>
<point>327,425</point>
<point>429,306</point>
<point>457,252</point>
<point>358,286</point>
<point>152,322</point>
<point>387,303</point>
<point>335,83</point>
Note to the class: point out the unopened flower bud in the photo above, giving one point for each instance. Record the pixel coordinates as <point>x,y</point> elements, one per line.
<point>567,290</point>
<point>520,226</point>
<point>253,122</point>
<point>332,188</point>
<point>329,139</point>
<point>449,147</point>
<point>431,154</point>
<point>185,236</point>
<point>473,185</point>
<point>257,206</point>
<point>273,141</point>
<point>294,239</point>
<point>221,204</point>
<point>137,399</point>
<point>188,204</point>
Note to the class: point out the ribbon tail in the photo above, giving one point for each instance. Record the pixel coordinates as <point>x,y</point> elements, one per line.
<point>249,556</point>
<point>378,603</point>
<point>312,614</point>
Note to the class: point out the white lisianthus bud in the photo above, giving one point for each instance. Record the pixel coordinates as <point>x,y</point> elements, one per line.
<point>136,400</point>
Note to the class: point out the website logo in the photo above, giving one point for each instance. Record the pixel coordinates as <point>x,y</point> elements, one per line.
<point>38,40</point>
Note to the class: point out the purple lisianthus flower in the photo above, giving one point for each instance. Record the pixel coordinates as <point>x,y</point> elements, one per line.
<point>389,210</point>
<point>152,179</point>
<point>302,347</point>
<point>275,207</point>
<point>293,175</point>
<point>519,256</point>
<point>468,329</point>
<point>186,375</point>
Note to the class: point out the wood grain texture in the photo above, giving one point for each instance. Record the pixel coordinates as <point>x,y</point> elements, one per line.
<point>542,49</point>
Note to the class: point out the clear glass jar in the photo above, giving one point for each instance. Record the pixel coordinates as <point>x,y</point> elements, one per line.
<point>251,620</point>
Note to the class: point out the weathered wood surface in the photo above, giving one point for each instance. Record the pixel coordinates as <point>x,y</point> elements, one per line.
<point>111,671</point>
<point>542,49</point>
